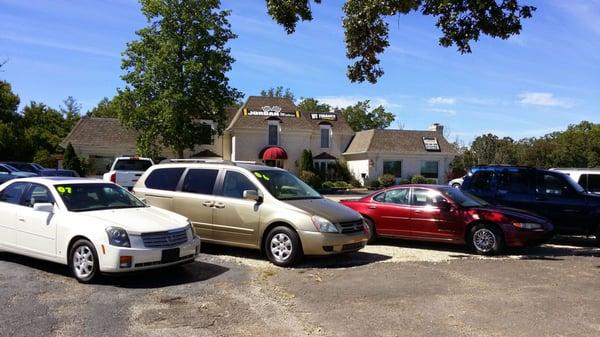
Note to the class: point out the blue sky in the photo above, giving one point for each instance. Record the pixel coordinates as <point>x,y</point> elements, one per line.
<point>535,83</point>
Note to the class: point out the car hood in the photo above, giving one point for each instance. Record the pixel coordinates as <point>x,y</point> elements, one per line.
<point>140,220</point>
<point>514,213</point>
<point>327,209</point>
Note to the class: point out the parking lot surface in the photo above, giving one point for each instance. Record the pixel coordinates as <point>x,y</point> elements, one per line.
<point>393,288</point>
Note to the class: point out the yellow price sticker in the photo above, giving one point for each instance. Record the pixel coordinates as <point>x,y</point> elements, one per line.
<point>63,189</point>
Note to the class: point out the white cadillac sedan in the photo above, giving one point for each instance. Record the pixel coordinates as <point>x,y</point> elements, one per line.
<point>92,226</point>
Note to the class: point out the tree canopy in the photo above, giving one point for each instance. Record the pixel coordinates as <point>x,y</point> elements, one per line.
<point>278,92</point>
<point>71,111</point>
<point>367,33</point>
<point>176,74</point>
<point>360,116</point>
<point>106,108</point>
<point>313,105</point>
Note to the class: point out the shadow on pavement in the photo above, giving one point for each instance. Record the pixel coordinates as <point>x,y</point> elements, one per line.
<point>46,266</point>
<point>170,276</point>
<point>345,260</point>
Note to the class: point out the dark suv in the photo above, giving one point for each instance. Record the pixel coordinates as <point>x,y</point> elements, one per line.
<point>551,194</point>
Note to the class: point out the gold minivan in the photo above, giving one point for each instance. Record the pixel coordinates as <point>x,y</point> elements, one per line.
<point>253,206</point>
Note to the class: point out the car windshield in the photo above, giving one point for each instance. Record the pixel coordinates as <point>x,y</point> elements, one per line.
<point>93,197</point>
<point>465,199</point>
<point>132,165</point>
<point>24,167</point>
<point>285,186</point>
<point>574,184</point>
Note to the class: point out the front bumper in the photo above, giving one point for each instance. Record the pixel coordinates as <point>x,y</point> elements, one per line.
<point>144,258</point>
<point>516,237</point>
<point>317,243</point>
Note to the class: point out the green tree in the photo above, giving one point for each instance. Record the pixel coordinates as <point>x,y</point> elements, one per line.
<point>71,160</point>
<point>313,105</point>
<point>278,92</point>
<point>484,149</point>
<point>104,109</point>
<point>306,161</point>
<point>10,135</point>
<point>367,31</point>
<point>43,129</point>
<point>360,117</point>
<point>71,111</point>
<point>176,74</point>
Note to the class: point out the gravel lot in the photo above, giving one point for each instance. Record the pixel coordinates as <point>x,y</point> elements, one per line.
<point>393,288</point>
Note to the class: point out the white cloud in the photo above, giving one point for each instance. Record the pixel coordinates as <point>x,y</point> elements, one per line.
<point>441,100</point>
<point>450,112</point>
<point>58,45</point>
<point>344,101</point>
<point>544,99</point>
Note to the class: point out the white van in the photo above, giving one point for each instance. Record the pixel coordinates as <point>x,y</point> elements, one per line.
<point>588,178</point>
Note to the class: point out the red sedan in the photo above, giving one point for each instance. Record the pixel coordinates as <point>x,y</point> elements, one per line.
<point>446,214</point>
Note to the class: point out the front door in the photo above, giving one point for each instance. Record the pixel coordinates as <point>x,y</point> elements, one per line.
<point>236,220</point>
<point>392,212</point>
<point>429,220</point>
<point>196,200</point>
<point>10,200</point>
<point>36,230</point>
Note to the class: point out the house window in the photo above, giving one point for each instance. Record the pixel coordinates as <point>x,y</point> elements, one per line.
<point>273,133</point>
<point>393,167</point>
<point>429,169</point>
<point>325,136</point>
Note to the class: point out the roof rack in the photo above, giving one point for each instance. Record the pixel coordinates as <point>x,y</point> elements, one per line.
<point>209,161</point>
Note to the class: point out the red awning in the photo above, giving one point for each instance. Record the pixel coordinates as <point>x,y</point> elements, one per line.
<point>272,153</point>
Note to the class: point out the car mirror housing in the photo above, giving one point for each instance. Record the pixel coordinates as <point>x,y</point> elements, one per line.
<point>251,195</point>
<point>43,207</point>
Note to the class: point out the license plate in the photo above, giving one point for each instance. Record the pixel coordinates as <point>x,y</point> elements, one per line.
<point>170,255</point>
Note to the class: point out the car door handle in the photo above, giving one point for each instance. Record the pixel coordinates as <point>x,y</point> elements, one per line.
<point>418,211</point>
<point>21,219</point>
<point>208,203</point>
<point>372,207</point>
<point>219,205</point>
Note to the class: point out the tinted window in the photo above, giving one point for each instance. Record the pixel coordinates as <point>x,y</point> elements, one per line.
<point>94,197</point>
<point>325,137</point>
<point>132,165</point>
<point>24,167</point>
<point>235,184</point>
<point>200,181</point>
<point>12,194</point>
<point>515,181</point>
<point>273,134</point>
<point>590,182</point>
<point>393,167</point>
<point>552,185</point>
<point>482,181</point>
<point>164,179</point>
<point>425,197</point>
<point>429,169</point>
<point>4,170</point>
<point>37,194</point>
<point>396,196</point>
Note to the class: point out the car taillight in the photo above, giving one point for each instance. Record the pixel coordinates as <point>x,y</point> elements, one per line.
<point>113,177</point>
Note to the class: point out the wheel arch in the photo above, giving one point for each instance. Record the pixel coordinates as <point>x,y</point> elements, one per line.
<point>482,222</point>
<point>72,242</point>
<point>272,225</point>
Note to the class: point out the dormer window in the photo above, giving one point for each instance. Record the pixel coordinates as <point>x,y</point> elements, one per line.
<point>325,136</point>
<point>273,132</point>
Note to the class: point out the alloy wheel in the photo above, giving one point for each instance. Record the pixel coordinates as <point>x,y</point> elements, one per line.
<point>281,246</point>
<point>83,262</point>
<point>484,240</point>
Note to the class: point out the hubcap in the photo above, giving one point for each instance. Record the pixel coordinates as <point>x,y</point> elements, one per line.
<point>83,261</point>
<point>484,240</point>
<point>281,246</point>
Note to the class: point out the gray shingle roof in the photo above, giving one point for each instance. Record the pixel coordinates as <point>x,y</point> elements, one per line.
<point>99,132</point>
<point>396,141</point>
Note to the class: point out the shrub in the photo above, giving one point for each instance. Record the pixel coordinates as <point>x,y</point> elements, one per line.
<point>418,179</point>
<point>375,184</point>
<point>342,171</point>
<point>44,158</point>
<point>341,185</point>
<point>328,185</point>
<point>71,161</point>
<point>387,180</point>
<point>306,162</point>
<point>355,183</point>
<point>431,181</point>
<point>310,178</point>
<point>404,181</point>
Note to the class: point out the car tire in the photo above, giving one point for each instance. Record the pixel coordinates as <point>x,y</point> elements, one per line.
<point>282,246</point>
<point>485,239</point>
<point>372,233</point>
<point>83,261</point>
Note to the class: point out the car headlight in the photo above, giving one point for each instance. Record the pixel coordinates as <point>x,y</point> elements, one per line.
<point>527,225</point>
<point>117,236</point>
<point>323,225</point>
<point>190,230</point>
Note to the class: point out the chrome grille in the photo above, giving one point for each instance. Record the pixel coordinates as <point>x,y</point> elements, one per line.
<point>164,239</point>
<point>352,227</point>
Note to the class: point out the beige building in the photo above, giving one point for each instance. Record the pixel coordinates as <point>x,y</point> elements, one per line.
<point>272,130</point>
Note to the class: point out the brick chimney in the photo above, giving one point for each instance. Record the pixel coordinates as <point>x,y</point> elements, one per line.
<point>437,127</point>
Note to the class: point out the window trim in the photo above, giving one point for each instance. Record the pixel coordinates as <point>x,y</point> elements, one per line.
<point>273,122</point>
<point>20,202</point>
<point>329,134</point>
<point>438,168</point>
<point>393,160</point>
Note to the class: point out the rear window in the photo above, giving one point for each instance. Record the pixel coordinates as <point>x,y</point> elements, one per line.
<point>132,165</point>
<point>164,179</point>
<point>591,182</point>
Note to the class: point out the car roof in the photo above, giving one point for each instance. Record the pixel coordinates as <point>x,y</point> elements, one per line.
<point>59,180</point>
<point>218,165</point>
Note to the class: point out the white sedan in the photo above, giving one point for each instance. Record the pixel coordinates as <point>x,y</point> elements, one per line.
<point>91,226</point>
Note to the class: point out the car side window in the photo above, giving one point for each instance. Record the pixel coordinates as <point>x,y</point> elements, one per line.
<point>164,179</point>
<point>37,194</point>
<point>425,197</point>
<point>514,181</point>
<point>397,196</point>
<point>13,193</point>
<point>550,184</point>
<point>235,184</point>
<point>201,181</point>
<point>4,170</point>
<point>591,182</point>
<point>482,181</point>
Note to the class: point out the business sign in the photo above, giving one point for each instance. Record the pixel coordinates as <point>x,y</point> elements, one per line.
<point>271,111</point>
<point>431,144</point>
<point>326,116</point>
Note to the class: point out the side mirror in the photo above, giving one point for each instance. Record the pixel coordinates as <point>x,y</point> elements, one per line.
<point>143,200</point>
<point>445,205</point>
<point>43,207</point>
<point>251,195</point>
